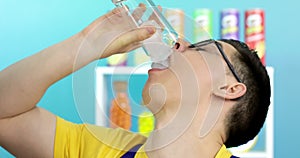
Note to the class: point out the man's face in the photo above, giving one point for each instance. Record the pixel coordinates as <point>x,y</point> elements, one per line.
<point>202,69</point>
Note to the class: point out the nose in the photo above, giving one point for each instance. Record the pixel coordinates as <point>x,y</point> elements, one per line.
<point>181,45</point>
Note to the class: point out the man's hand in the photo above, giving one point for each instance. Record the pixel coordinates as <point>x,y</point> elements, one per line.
<point>23,84</point>
<point>115,33</point>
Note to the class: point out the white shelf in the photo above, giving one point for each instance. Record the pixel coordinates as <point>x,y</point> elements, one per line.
<point>101,96</point>
<point>122,70</point>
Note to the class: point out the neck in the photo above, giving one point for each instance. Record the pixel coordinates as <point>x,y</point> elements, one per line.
<point>187,145</point>
<point>168,141</point>
<point>164,117</point>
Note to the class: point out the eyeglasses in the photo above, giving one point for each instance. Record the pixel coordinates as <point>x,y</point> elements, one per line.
<point>209,41</point>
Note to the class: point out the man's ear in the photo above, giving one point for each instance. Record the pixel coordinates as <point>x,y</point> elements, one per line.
<point>233,91</point>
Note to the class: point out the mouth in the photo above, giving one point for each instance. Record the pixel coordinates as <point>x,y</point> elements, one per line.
<point>154,70</point>
<point>159,66</point>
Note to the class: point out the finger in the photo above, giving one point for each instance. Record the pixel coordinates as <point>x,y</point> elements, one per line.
<point>131,38</point>
<point>106,17</point>
<point>139,12</point>
<point>159,8</point>
<point>131,47</point>
<point>155,16</point>
<point>117,11</point>
<point>138,35</point>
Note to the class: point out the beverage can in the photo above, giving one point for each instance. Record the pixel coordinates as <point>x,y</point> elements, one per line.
<point>255,31</point>
<point>146,123</point>
<point>202,24</point>
<point>120,110</point>
<point>176,19</point>
<point>230,24</point>
<point>117,60</point>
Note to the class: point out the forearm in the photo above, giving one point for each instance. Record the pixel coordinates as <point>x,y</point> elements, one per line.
<point>24,83</point>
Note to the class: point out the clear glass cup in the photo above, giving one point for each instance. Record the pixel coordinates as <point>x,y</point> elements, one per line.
<point>159,46</point>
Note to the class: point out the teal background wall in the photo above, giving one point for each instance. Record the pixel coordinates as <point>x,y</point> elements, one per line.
<point>27,27</point>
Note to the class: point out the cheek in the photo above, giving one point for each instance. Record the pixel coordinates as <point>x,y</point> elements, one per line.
<point>203,72</point>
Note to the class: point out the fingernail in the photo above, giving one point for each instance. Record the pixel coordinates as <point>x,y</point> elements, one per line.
<point>150,30</point>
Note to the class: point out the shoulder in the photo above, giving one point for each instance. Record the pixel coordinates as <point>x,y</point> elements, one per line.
<point>115,138</point>
<point>93,141</point>
<point>224,153</point>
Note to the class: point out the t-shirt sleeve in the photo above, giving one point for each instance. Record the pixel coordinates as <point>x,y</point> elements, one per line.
<point>84,140</point>
<point>67,139</point>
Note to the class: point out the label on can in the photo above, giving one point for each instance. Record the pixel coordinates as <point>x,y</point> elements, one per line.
<point>255,31</point>
<point>230,24</point>
<point>117,60</point>
<point>176,19</point>
<point>146,123</point>
<point>202,24</point>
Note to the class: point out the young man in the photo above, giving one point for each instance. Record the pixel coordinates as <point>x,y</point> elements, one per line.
<point>200,102</point>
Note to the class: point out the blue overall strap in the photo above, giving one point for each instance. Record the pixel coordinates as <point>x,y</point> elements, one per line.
<point>131,153</point>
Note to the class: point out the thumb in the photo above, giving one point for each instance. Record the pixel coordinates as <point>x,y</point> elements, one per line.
<point>130,40</point>
<point>136,35</point>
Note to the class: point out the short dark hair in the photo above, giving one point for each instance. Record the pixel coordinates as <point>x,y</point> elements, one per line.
<point>246,118</point>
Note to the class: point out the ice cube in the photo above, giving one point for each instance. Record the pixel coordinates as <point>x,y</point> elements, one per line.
<point>155,47</point>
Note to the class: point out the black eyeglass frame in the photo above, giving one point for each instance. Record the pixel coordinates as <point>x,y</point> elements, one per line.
<point>209,41</point>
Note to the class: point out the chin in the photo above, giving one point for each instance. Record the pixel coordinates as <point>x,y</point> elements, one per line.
<point>145,95</point>
<point>151,101</point>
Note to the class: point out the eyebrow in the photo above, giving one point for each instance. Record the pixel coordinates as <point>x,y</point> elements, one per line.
<point>198,46</point>
<point>219,44</point>
<point>200,49</point>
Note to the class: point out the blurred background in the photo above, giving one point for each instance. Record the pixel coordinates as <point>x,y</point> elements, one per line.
<point>27,27</point>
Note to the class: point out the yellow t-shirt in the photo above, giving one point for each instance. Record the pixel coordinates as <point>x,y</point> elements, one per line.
<point>223,153</point>
<point>89,141</point>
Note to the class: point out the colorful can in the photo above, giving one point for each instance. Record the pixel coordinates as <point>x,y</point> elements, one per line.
<point>202,24</point>
<point>230,24</point>
<point>255,31</point>
<point>176,19</point>
<point>117,60</point>
<point>146,123</point>
<point>120,110</point>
